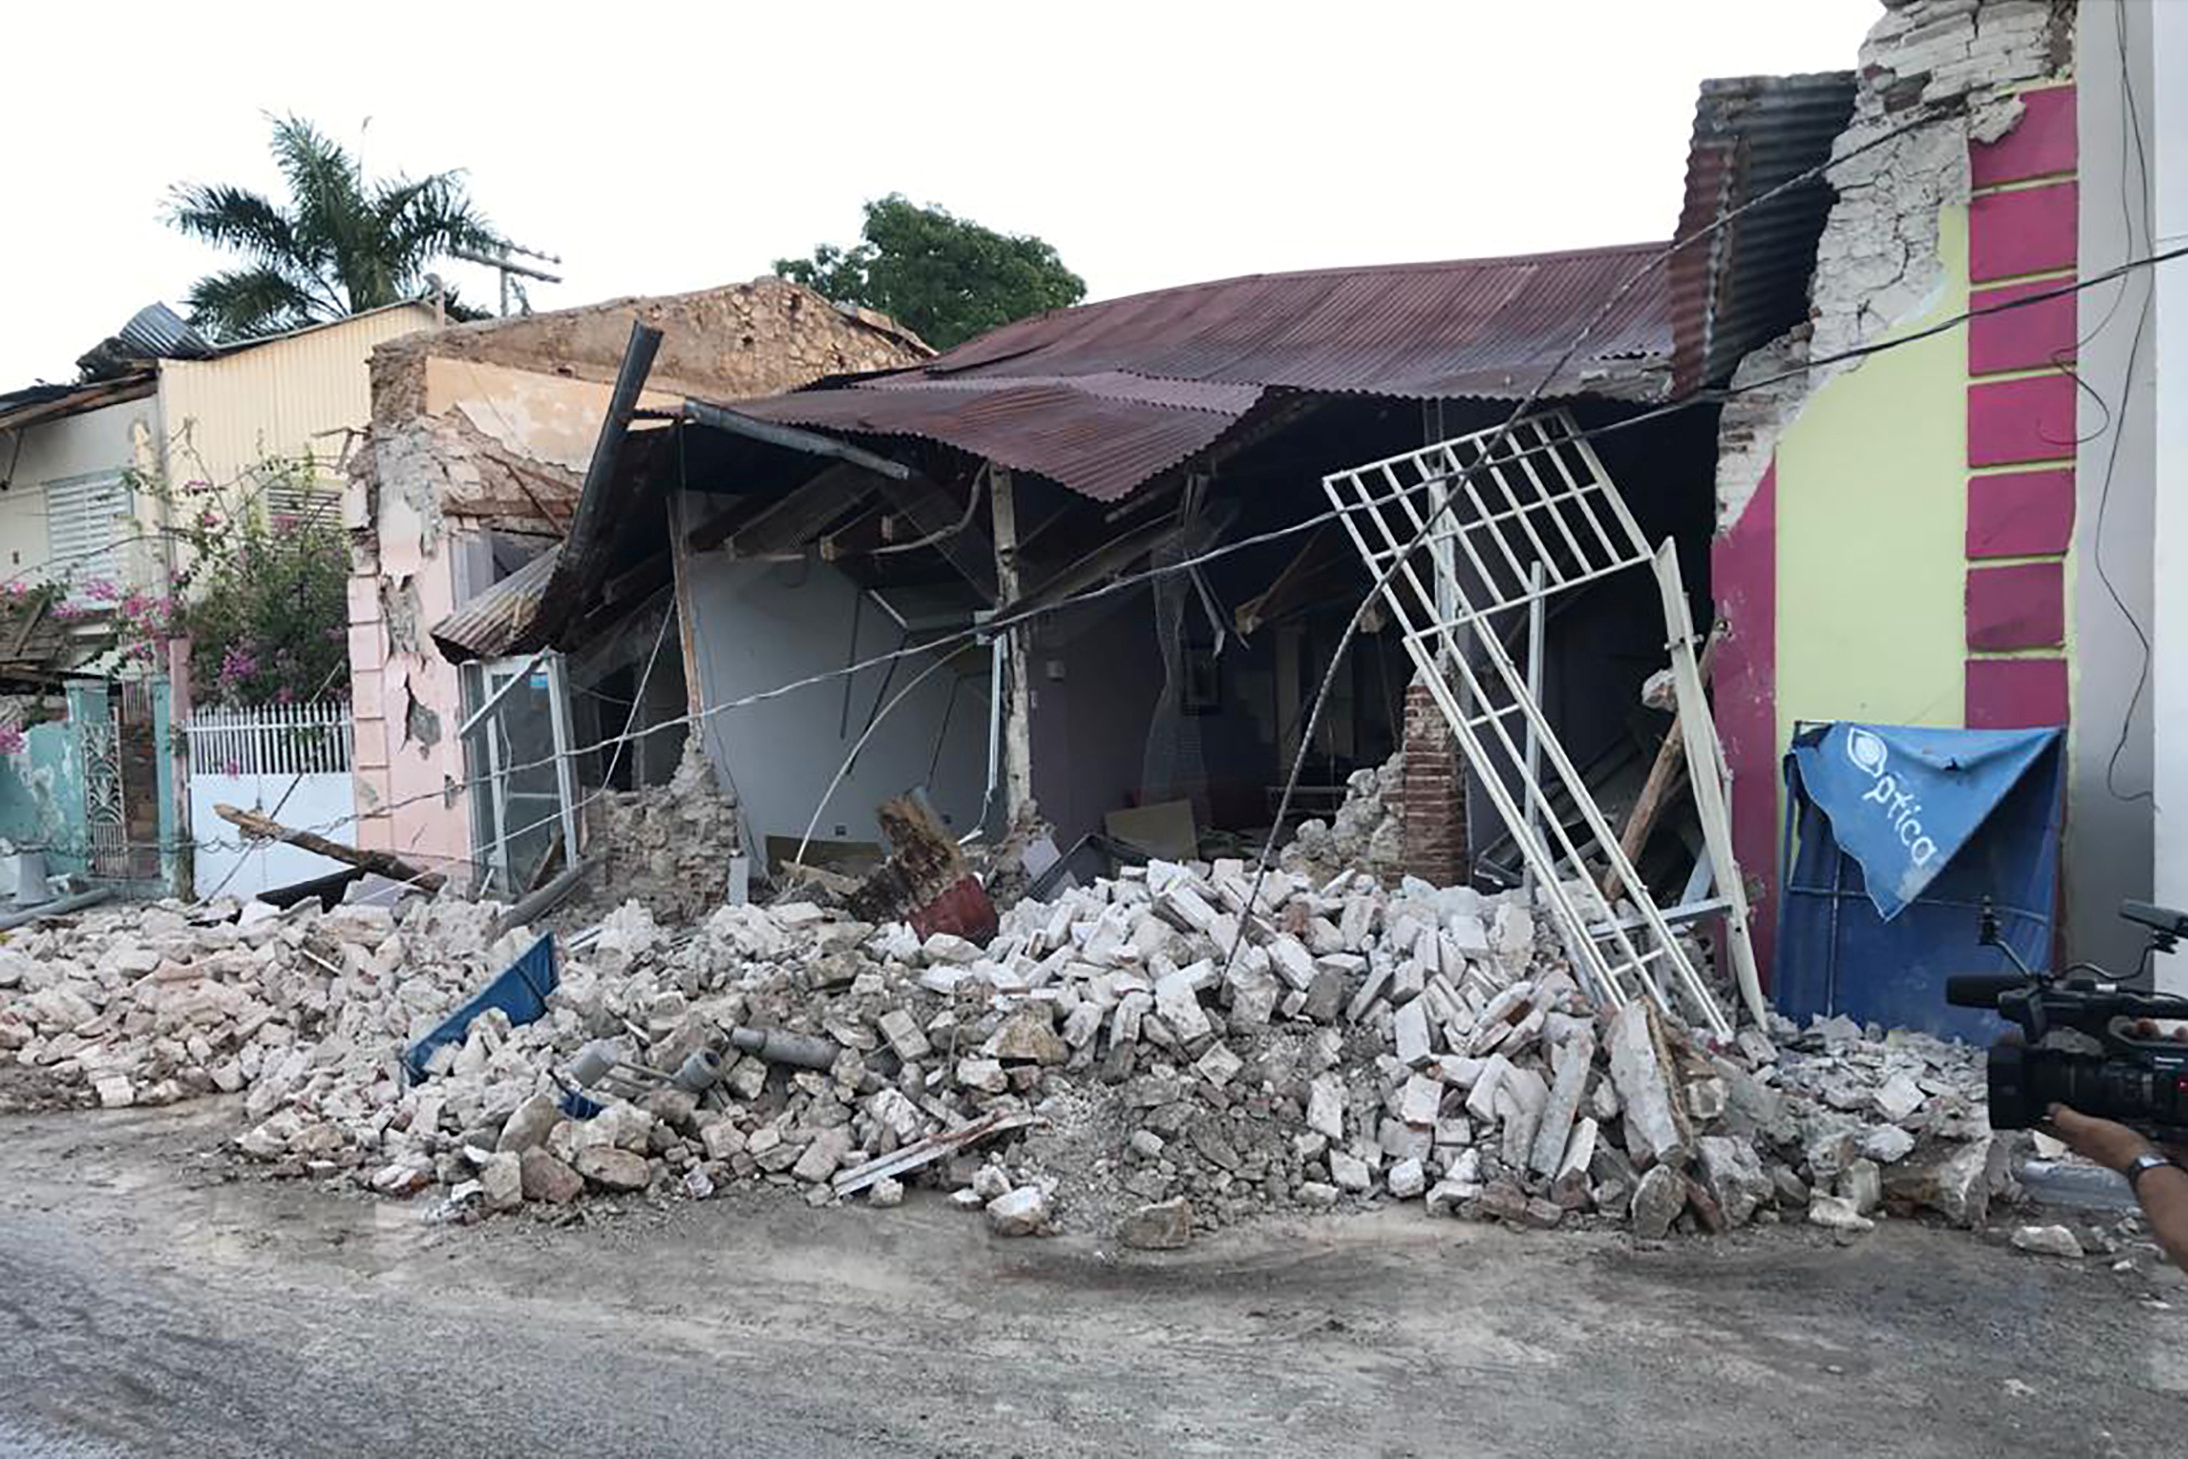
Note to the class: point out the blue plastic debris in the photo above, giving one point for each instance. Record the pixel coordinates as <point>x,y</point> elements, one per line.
<point>521,992</point>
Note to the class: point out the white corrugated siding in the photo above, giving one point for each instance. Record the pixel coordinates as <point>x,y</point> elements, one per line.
<point>283,398</point>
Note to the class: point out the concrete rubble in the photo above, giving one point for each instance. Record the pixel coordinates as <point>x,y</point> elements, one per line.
<point>1364,1045</point>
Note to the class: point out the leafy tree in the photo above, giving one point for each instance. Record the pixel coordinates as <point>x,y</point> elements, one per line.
<point>344,243</point>
<point>948,278</point>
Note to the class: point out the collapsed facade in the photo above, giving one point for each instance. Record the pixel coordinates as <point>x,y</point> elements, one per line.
<point>479,444</point>
<point>861,533</point>
<point>630,594</point>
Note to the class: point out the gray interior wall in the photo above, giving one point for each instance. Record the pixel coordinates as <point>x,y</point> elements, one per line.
<point>757,626</point>
<point>2108,847</point>
<point>1096,674</point>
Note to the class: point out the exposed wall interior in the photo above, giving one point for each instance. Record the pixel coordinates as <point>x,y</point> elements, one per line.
<point>759,625</point>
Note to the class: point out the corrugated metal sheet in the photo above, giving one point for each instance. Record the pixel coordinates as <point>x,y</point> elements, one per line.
<point>285,396</point>
<point>490,622</point>
<point>157,332</point>
<point>35,403</point>
<point>1104,396</point>
<point>1749,283</point>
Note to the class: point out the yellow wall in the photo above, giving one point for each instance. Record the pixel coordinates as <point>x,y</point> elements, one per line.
<point>1872,518</point>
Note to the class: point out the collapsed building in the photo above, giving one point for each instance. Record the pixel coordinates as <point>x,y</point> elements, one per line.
<point>472,473</point>
<point>1081,583</point>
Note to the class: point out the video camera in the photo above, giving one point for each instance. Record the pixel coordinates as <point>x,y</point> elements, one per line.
<point>2083,1039</point>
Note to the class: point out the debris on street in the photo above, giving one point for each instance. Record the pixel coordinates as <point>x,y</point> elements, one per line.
<point>1104,1063</point>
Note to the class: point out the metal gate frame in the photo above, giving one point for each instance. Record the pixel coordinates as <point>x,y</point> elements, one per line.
<point>1554,522</point>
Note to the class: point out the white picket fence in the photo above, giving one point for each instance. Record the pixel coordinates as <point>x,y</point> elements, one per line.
<point>291,762</point>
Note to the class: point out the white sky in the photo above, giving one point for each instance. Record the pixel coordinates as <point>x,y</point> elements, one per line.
<point>666,148</point>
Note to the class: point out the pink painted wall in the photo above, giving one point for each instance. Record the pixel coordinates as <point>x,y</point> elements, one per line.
<point>406,764</point>
<point>1744,572</point>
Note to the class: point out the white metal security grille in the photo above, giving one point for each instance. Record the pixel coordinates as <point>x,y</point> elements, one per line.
<point>1460,536</point>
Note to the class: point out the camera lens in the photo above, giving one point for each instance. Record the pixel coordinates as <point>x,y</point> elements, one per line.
<point>2011,1103</point>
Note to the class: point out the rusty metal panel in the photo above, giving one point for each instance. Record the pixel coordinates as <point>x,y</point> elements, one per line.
<point>1104,396</point>
<point>1748,283</point>
<point>489,624</point>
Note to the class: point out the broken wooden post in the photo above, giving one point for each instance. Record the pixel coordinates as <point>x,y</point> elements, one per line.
<point>394,868</point>
<point>1663,778</point>
<point>1018,693</point>
<point>925,880</point>
<point>1706,772</point>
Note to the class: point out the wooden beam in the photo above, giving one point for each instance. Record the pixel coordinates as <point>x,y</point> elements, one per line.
<point>858,536</point>
<point>394,868</point>
<point>1110,557</point>
<point>790,521</point>
<point>932,511</point>
<point>1666,774</point>
<point>1306,564</point>
<point>1705,761</point>
<point>1018,694</point>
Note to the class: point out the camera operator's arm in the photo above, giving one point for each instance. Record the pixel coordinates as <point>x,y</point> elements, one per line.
<point>2163,1190</point>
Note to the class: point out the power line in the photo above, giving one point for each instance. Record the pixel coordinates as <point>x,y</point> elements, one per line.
<point>1131,581</point>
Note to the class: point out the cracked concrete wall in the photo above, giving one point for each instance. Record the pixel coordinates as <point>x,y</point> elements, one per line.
<point>1878,262</point>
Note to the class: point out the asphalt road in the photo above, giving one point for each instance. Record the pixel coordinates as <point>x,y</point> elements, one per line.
<point>148,1306</point>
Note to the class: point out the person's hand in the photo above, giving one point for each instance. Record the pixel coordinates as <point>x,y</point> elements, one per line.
<point>2107,1142</point>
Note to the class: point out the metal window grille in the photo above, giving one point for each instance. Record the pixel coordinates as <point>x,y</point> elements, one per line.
<point>1468,535</point>
<point>85,521</point>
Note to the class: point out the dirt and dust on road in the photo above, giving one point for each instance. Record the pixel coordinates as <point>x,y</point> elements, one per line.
<point>155,1304</point>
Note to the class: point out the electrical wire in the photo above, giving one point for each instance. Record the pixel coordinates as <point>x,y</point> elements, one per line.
<point>1130,581</point>
<point>2131,124</point>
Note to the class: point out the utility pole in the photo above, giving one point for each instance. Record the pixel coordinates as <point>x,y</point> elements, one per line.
<point>505,263</point>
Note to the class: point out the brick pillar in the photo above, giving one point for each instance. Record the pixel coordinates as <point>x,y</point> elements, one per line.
<point>1432,793</point>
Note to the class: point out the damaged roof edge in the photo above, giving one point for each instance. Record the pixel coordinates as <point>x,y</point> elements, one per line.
<point>582,559</point>
<point>1750,283</point>
<point>722,418</point>
<point>1101,397</point>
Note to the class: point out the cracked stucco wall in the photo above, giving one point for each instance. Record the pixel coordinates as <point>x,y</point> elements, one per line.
<point>1839,565</point>
<point>1878,262</point>
<point>489,426</point>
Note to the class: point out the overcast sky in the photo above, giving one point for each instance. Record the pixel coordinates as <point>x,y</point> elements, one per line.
<point>665,148</point>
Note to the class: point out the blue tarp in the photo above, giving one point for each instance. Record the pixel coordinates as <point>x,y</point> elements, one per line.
<point>1903,801</point>
<point>1871,922</point>
<point>521,992</point>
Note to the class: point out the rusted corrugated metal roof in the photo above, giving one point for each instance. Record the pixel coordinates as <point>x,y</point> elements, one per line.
<point>35,403</point>
<point>489,623</point>
<point>1104,396</point>
<point>1748,283</point>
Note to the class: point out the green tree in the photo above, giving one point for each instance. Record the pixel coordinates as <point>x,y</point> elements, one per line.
<point>344,243</point>
<point>946,277</point>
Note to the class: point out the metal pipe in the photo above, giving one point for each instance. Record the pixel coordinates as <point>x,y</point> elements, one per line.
<point>530,906</point>
<point>721,418</point>
<point>780,1046</point>
<point>61,908</point>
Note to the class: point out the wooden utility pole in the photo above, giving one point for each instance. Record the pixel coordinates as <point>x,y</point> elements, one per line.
<point>394,868</point>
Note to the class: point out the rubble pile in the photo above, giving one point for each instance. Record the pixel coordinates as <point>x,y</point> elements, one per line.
<point>1366,834</point>
<point>670,846</point>
<point>1126,1072</point>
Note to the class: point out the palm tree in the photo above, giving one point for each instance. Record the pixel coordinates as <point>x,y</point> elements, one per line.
<point>344,243</point>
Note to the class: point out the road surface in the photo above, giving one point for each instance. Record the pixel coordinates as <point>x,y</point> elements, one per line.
<point>151,1304</point>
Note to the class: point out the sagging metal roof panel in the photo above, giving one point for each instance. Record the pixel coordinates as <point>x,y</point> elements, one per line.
<point>1100,442</point>
<point>1103,396</point>
<point>491,622</point>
